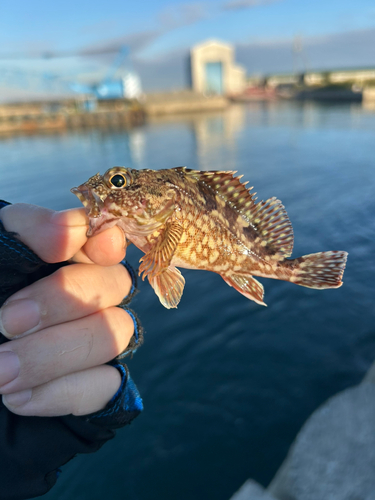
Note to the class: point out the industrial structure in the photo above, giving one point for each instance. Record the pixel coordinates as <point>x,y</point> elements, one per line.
<point>361,77</point>
<point>213,69</point>
<point>120,80</point>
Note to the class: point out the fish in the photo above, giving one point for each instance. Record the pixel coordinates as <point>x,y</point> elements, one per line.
<point>206,220</point>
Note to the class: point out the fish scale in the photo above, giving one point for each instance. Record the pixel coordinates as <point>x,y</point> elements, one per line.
<point>201,246</point>
<point>203,220</point>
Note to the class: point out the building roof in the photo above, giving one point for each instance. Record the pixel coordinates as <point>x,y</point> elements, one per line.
<point>212,41</point>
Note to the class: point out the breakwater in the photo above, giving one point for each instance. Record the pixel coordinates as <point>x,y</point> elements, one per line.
<point>63,115</point>
<point>50,116</point>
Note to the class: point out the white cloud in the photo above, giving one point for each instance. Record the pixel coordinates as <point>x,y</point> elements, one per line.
<point>178,15</point>
<point>246,4</point>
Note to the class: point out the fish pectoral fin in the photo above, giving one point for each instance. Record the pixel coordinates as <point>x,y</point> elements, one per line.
<point>159,257</point>
<point>247,285</point>
<point>168,286</point>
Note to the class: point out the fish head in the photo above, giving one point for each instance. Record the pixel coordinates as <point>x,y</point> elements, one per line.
<point>135,200</point>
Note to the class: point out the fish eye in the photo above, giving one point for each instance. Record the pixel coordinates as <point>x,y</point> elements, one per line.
<point>118,177</point>
<point>118,180</point>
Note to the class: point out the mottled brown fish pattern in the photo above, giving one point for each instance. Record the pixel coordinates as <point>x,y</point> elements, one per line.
<point>203,220</point>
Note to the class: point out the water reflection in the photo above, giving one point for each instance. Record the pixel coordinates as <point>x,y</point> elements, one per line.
<point>215,138</point>
<point>214,135</point>
<point>222,377</point>
<point>137,143</point>
<point>369,104</point>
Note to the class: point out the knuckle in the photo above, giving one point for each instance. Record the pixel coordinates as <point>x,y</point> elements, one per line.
<point>122,320</point>
<point>83,284</point>
<point>120,328</point>
<point>68,279</point>
<point>109,285</point>
<point>122,280</point>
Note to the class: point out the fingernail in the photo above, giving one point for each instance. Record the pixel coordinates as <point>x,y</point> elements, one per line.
<point>18,398</point>
<point>9,367</point>
<point>19,316</point>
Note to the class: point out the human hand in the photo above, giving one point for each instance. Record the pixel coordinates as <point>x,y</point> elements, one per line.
<point>64,327</point>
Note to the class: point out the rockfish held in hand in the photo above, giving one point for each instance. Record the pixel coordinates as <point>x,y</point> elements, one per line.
<point>203,220</point>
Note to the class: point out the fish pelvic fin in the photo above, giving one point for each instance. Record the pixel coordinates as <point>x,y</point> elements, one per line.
<point>168,286</point>
<point>319,270</point>
<point>247,286</point>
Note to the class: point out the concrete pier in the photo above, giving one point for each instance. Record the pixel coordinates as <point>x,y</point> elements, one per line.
<point>333,455</point>
<point>185,101</point>
<point>64,115</point>
<point>71,114</point>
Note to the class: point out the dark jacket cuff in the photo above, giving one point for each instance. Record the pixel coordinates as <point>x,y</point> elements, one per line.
<point>19,267</point>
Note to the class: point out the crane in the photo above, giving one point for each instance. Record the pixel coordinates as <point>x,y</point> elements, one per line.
<point>109,87</point>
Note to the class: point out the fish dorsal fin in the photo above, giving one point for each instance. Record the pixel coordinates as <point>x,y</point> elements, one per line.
<point>223,184</point>
<point>268,218</point>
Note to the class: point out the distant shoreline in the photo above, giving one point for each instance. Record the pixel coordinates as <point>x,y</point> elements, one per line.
<point>63,115</point>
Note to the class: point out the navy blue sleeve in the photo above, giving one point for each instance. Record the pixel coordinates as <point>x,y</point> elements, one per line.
<point>32,449</point>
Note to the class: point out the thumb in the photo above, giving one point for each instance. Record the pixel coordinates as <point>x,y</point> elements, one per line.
<point>53,236</point>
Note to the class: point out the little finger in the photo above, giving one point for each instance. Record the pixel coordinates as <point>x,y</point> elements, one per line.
<point>77,393</point>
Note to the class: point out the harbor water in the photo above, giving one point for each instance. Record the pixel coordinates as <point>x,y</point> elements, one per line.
<point>227,383</point>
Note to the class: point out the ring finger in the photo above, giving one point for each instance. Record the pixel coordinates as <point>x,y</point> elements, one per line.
<point>67,348</point>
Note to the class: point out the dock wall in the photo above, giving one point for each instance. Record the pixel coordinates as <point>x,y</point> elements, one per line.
<point>182,102</point>
<point>65,115</point>
<point>44,117</point>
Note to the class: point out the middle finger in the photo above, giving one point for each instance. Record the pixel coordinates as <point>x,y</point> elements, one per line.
<point>70,293</point>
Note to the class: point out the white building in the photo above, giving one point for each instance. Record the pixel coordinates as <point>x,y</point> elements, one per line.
<point>213,69</point>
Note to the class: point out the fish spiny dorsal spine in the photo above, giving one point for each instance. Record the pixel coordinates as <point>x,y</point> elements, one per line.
<point>268,218</point>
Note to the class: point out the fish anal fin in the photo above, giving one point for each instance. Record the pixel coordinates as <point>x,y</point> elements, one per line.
<point>168,286</point>
<point>158,258</point>
<point>247,286</point>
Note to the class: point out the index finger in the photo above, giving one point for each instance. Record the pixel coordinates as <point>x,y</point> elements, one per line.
<point>106,248</point>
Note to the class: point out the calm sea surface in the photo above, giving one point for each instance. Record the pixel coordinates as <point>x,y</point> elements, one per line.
<point>226,383</point>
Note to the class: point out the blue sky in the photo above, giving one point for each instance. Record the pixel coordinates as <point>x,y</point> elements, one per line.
<point>160,32</point>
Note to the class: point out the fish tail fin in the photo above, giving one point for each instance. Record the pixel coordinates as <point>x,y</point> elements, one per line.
<point>319,270</point>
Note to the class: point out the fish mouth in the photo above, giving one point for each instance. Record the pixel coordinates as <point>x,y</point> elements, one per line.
<point>90,200</point>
